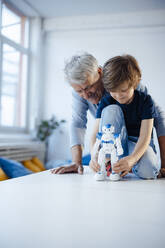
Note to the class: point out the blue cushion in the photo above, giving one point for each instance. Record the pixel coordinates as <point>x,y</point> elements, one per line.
<point>86,159</point>
<point>13,168</point>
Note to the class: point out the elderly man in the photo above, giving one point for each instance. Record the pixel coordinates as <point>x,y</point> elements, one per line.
<point>85,77</point>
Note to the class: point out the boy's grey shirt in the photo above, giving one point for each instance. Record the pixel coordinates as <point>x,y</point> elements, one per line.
<point>80,106</point>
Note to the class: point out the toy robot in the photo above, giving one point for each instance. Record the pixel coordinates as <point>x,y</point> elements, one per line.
<point>107,146</point>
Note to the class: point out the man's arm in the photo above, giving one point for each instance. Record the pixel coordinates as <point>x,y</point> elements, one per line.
<point>77,133</point>
<point>77,158</point>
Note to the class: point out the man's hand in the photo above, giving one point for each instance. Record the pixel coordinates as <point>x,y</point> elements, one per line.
<point>124,165</point>
<point>72,168</point>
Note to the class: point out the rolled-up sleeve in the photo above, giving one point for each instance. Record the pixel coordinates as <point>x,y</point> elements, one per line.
<point>78,122</point>
<point>76,135</point>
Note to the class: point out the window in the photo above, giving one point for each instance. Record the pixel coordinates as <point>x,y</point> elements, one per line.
<point>14,56</point>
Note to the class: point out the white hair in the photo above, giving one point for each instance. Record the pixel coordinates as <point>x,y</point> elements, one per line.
<point>79,67</point>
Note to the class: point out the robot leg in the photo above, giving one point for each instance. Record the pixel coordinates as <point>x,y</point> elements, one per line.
<point>101,175</point>
<point>114,158</point>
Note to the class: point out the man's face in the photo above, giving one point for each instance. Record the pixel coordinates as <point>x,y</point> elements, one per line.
<point>91,90</point>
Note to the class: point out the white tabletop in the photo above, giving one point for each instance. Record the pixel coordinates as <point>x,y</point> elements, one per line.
<point>51,211</point>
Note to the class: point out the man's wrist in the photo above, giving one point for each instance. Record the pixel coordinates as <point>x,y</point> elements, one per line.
<point>77,155</point>
<point>77,163</point>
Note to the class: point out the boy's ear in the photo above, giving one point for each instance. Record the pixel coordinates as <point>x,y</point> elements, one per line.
<point>137,81</point>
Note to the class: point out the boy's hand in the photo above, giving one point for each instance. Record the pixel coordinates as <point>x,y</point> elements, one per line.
<point>94,165</point>
<point>161,173</point>
<point>124,165</point>
<point>73,168</point>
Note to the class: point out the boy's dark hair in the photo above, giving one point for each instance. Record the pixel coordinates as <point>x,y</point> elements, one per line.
<point>120,69</point>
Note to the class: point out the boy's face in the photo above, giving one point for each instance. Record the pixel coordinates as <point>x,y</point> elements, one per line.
<point>123,94</point>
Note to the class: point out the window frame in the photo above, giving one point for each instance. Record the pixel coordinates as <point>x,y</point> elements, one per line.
<point>25,51</point>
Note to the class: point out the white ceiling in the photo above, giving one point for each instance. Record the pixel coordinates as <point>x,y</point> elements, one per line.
<point>61,8</point>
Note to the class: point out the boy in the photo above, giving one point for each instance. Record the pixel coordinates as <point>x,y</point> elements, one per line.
<point>131,113</point>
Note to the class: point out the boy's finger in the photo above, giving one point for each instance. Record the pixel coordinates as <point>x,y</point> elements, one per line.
<point>162,172</point>
<point>124,173</point>
<point>117,170</point>
<point>117,167</point>
<point>116,164</point>
<point>96,166</point>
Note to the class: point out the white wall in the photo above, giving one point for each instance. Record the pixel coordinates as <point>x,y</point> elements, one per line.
<point>139,34</point>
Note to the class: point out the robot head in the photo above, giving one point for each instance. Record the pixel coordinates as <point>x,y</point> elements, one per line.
<point>108,128</point>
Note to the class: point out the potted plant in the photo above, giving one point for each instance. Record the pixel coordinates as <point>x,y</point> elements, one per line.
<point>46,128</point>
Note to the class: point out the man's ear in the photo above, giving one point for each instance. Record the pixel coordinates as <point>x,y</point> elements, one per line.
<point>100,71</point>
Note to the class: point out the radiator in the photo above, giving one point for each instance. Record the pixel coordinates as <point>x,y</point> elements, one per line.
<point>23,151</point>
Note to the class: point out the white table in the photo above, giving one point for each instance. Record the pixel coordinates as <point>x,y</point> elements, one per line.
<point>51,211</point>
